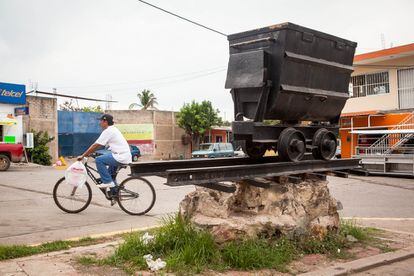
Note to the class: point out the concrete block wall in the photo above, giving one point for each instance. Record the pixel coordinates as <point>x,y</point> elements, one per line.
<point>167,135</point>
<point>43,117</point>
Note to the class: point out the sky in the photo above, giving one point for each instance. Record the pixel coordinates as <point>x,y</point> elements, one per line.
<point>120,47</point>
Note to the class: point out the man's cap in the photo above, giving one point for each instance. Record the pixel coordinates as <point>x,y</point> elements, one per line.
<point>107,117</point>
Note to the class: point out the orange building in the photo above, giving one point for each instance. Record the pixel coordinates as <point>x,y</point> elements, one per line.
<point>218,135</point>
<point>378,119</point>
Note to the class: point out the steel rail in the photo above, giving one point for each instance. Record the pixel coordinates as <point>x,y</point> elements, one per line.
<point>206,175</point>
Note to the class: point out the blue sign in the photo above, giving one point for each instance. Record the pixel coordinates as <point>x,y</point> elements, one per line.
<point>12,93</point>
<point>19,111</point>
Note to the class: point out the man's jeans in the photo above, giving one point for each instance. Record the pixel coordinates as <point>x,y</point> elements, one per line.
<point>107,165</point>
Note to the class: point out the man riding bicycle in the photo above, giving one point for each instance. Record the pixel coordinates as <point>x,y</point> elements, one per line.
<point>120,154</point>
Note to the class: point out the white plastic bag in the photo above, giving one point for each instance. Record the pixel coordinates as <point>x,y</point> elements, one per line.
<point>154,265</point>
<point>147,238</point>
<point>76,174</point>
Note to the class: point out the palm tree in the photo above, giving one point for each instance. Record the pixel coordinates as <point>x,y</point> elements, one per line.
<point>146,98</point>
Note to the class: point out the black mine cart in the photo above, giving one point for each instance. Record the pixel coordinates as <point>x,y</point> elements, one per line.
<point>289,85</point>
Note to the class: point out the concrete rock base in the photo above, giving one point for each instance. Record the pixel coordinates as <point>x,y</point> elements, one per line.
<point>285,208</point>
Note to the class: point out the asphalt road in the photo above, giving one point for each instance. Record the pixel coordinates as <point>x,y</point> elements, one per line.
<point>29,215</point>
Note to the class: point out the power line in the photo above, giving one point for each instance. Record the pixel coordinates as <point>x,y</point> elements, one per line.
<point>143,81</point>
<point>69,96</point>
<point>183,18</point>
<point>158,84</point>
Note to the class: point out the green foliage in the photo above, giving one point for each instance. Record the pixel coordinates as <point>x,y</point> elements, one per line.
<point>197,118</point>
<point>40,153</point>
<point>69,106</point>
<point>18,251</point>
<point>259,253</point>
<point>349,228</point>
<point>96,109</point>
<point>146,98</point>
<point>188,250</point>
<point>225,123</point>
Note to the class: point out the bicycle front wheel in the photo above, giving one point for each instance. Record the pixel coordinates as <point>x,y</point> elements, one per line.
<point>136,196</point>
<point>71,199</point>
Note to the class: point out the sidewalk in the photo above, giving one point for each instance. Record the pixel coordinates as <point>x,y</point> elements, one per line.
<point>65,263</point>
<point>61,262</point>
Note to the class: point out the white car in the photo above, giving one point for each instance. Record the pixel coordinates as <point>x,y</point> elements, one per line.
<point>239,152</point>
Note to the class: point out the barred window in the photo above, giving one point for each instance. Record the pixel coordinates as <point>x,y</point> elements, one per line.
<point>370,84</point>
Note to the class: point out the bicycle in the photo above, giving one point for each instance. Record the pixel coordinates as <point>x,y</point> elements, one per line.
<point>72,199</point>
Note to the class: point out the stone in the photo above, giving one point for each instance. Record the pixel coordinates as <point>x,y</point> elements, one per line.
<point>351,238</point>
<point>285,208</point>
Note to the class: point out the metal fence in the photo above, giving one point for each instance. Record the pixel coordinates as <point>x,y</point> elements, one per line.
<point>77,131</point>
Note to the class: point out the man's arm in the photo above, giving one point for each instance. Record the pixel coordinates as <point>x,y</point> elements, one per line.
<point>89,151</point>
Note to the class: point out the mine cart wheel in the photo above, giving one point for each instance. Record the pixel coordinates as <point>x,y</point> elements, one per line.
<point>291,145</point>
<point>255,150</point>
<point>324,144</point>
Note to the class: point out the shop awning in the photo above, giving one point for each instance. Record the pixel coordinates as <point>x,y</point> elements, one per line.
<point>5,121</point>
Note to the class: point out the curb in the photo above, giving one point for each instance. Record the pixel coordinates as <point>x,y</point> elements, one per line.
<point>103,235</point>
<point>364,263</point>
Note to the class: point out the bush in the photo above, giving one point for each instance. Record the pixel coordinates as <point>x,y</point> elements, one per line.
<point>40,153</point>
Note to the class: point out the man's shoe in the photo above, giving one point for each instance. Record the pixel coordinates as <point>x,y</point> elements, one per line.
<point>106,185</point>
<point>113,202</point>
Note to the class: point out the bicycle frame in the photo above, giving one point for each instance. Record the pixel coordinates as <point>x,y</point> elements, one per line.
<point>97,181</point>
<point>89,170</point>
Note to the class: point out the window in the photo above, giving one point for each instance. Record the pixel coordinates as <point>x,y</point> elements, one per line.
<point>219,139</point>
<point>370,84</point>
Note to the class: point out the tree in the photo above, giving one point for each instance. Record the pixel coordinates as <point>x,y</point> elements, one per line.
<point>68,106</point>
<point>97,109</point>
<point>146,100</point>
<point>196,119</point>
<point>40,153</point>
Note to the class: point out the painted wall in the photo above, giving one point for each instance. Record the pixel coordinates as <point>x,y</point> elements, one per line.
<point>43,117</point>
<point>167,142</point>
<point>378,102</point>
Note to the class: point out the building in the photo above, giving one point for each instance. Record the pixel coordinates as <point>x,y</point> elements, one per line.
<point>12,96</point>
<point>377,122</point>
<point>218,134</point>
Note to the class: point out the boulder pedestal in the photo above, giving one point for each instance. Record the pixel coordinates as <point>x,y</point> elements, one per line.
<point>285,208</point>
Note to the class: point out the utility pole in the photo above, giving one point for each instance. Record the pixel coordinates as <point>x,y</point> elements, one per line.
<point>108,104</point>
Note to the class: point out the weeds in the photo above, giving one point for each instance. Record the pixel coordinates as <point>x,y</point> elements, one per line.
<point>189,250</point>
<point>17,251</point>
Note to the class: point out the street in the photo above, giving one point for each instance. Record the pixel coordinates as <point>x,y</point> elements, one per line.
<point>29,215</point>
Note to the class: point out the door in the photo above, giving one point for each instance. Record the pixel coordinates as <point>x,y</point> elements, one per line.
<point>406,88</point>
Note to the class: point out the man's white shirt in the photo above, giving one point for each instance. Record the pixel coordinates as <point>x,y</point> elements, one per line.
<point>118,146</point>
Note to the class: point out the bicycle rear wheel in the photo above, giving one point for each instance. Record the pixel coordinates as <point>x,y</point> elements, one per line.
<point>71,199</point>
<point>136,196</point>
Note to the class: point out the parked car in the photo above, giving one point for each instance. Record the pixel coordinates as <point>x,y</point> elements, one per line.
<point>10,153</point>
<point>213,150</point>
<point>135,152</point>
<point>239,152</point>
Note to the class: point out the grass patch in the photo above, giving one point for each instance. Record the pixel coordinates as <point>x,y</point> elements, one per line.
<point>187,250</point>
<point>18,251</point>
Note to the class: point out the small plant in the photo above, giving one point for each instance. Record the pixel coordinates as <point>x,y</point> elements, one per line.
<point>188,250</point>
<point>40,153</point>
<point>17,251</point>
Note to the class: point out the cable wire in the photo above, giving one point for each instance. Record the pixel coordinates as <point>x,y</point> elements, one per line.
<point>183,18</point>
